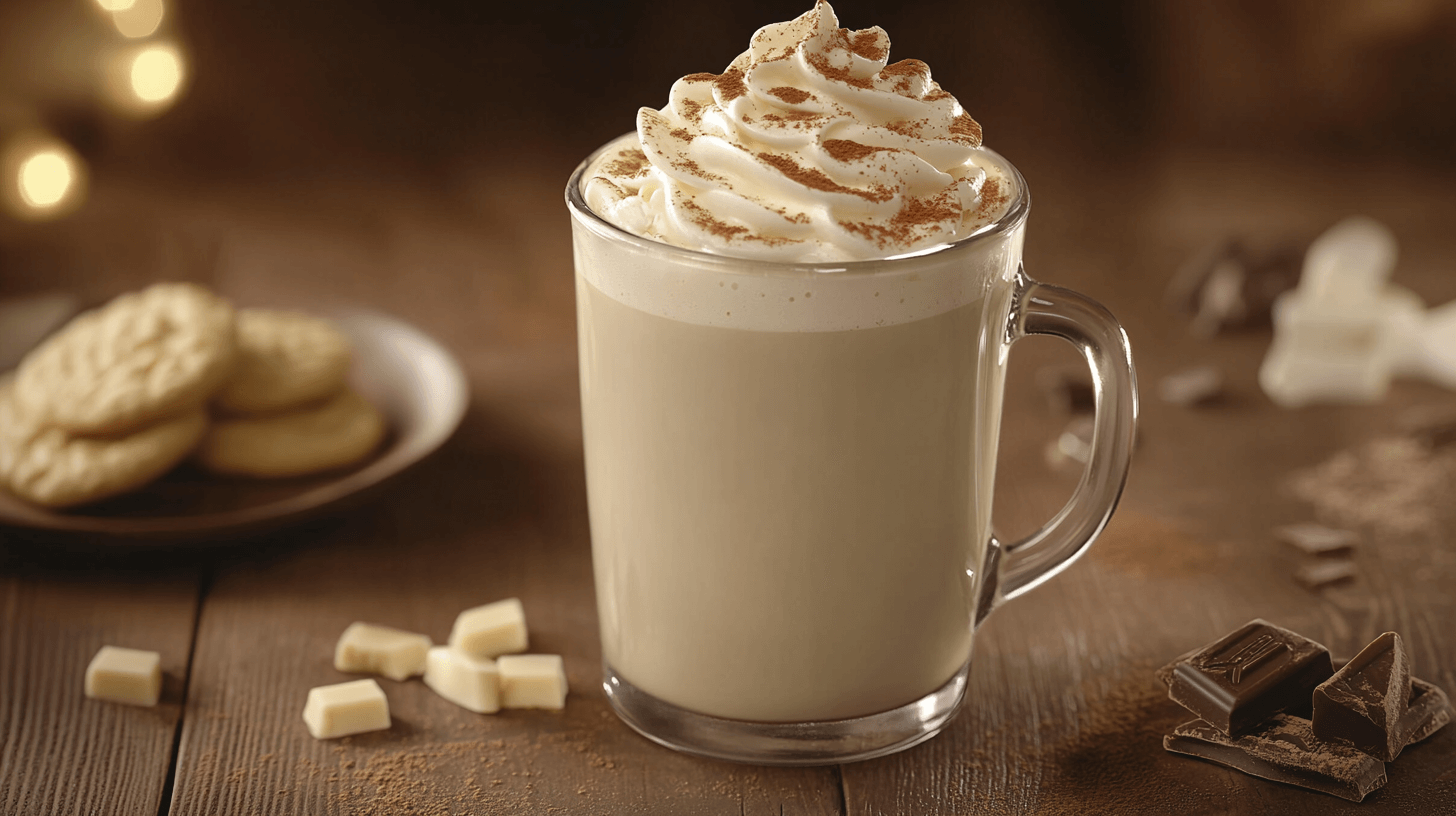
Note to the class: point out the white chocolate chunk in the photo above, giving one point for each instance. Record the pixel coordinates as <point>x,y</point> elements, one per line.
<point>394,653</point>
<point>1435,346</point>
<point>466,681</point>
<point>1294,380</point>
<point>491,630</point>
<point>1350,262</point>
<point>532,681</point>
<point>346,708</point>
<point>1337,352</point>
<point>120,675</point>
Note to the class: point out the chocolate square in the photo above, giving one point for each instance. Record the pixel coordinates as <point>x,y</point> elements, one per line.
<point>1248,675</point>
<point>1429,711</point>
<point>1284,749</point>
<point>1364,702</point>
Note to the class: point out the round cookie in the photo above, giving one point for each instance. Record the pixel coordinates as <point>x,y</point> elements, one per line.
<point>142,357</point>
<point>53,468</point>
<point>340,431</point>
<point>285,360</point>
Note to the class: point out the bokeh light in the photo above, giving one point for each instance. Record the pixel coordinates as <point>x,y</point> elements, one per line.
<point>144,80</point>
<point>156,74</point>
<point>140,18</point>
<point>45,179</point>
<point>115,5</point>
<point>40,176</point>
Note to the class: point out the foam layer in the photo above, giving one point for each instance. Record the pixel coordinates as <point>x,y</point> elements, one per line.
<point>711,290</point>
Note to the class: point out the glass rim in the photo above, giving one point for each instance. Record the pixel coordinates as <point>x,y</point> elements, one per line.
<point>1014,217</point>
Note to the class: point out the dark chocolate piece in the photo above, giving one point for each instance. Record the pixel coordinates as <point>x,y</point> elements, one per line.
<point>1272,272</point>
<point>1364,703</point>
<point>1248,675</point>
<point>1221,300</point>
<point>1285,749</point>
<point>1429,707</point>
<point>1192,386</point>
<point>1319,576</point>
<point>1185,289</point>
<point>1429,711</point>
<point>1317,539</point>
<point>1227,285</point>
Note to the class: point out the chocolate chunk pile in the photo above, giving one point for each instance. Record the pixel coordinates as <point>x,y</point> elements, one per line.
<point>1272,704</point>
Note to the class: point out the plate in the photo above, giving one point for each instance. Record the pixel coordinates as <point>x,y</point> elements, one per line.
<point>418,386</point>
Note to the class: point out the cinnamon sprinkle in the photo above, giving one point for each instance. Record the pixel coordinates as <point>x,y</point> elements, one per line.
<point>629,163</point>
<point>967,128</point>
<point>905,68</point>
<point>905,72</point>
<point>702,218</point>
<point>798,118</point>
<point>917,217</point>
<point>910,129</point>
<point>992,198</point>
<point>693,168</point>
<point>793,96</point>
<point>816,180</point>
<point>847,151</point>
<point>729,232</point>
<point>701,76</point>
<point>730,84</point>
<point>822,65</point>
<point>867,44</point>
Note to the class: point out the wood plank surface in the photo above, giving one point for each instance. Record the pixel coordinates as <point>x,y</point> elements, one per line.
<point>61,752</point>
<point>481,522</point>
<point>1063,714</point>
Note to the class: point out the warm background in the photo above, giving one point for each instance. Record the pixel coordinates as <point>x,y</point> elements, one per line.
<point>411,156</point>
<point>377,109</point>
<point>456,100</point>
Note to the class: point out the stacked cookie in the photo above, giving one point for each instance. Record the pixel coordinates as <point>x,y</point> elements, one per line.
<point>286,410</point>
<point>125,392</point>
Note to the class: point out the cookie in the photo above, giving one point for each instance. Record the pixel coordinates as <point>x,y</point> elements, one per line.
<point>142,357</point>
<point>51,467</point>
<point>285,360</point>
<point>340,431</point>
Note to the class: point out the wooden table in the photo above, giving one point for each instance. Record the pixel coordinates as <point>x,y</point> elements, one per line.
<point>1063,714</point>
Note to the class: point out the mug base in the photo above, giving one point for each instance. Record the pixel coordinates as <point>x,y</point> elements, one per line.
<point>771,743</point>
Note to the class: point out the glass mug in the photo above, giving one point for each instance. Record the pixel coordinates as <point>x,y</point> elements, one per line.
<point>789,476</point>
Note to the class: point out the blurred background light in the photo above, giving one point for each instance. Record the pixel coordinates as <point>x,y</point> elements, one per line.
<point>139,18</point>
<point>144,80</point>
<point>156,74</point>
<point>45,178</point>
<point>42,176</point>
<point>115,5</point>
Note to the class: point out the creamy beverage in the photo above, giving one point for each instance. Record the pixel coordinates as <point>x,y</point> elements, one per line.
<point>786,493</point>
<point>797,284</point>
<point>782,519</point>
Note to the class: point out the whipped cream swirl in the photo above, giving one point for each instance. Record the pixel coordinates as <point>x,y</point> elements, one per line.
<point>810,146</point>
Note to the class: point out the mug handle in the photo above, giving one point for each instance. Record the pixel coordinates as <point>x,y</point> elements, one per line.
<point>1037,308</point>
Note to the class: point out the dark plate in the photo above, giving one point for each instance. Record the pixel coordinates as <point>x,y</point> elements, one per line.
<point>412,379</point>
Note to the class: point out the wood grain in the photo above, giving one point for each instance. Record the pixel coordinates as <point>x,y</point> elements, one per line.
<point>488,518</point>
<point>1063,714</point>
<point>59,751</point>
